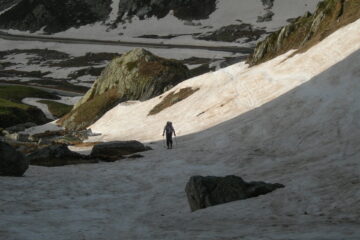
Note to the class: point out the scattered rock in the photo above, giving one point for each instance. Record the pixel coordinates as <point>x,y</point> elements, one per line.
<point>20,137</point>
<point>203,192</point>
<point>232,33</point>
<point>20,127</point>
<point>112,151</point>
<point>12,163</point>
<point>184,9</point>
<point>136,156</point>
<point>267,17</point>
<point>57,155</point>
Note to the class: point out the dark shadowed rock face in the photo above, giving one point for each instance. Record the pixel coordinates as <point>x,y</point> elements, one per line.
<point>203,192</point>
<point>183,9</point>
<point>112,151</point>
<point>12,163</point>
<point>54,15</point>
<point>57,155</point>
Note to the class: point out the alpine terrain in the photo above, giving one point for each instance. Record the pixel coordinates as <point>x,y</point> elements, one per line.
<point>180,119</point>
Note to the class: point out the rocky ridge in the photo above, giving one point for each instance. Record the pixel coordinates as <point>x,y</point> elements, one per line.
<point>307,30</point>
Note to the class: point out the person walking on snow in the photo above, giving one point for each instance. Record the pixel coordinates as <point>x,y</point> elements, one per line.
<point>169,130</point>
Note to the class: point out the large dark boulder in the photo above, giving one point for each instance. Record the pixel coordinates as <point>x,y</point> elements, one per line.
<point>57,155</point>
<point>136,75</point>
<point>203,192</point>
<point>112,151</point>
<point>12,163</point>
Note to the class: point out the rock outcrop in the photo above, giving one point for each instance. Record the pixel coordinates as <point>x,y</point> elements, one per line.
<point>307,30</point>
<point>203,192</point>
<point>112,151</point>
<point>137,75</point>
<point>233,32</point>
<point>183,9</point>
<point>12,162</point>
<point>53,15</point>
<point>57,155</point>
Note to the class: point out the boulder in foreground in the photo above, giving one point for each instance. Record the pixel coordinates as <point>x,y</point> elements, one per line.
<point>12,163</point>
<point>112,151</point>
<point>203,192</point>
<point>57,155</point>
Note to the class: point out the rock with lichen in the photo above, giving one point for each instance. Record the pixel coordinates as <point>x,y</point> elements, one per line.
<point>137,75</point>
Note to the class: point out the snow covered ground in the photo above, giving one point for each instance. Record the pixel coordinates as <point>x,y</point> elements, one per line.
<point>291,120</point>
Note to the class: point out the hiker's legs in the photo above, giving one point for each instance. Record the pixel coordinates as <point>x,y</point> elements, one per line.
<point>169,140</point>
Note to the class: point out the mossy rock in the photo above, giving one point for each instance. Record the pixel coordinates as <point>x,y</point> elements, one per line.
<point>137,75</point>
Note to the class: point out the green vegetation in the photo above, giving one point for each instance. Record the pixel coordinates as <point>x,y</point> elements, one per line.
<point>57,109</point>
<point>90,111</point>
<point>172,98</point>
<point>13,112</point>
<point>17,93</point>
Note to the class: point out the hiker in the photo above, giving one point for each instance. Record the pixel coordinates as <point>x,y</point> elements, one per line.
<point>169,130</point>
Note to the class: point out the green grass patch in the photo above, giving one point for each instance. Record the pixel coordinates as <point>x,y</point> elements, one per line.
<point>17,93</point>
<point>172,98</point>
<point>57,109</point>
<point>12,113</point>
<point>90,111</point>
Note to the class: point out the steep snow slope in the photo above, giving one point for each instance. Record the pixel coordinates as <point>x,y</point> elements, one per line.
<point>229,92</point>
<point>293,121</point>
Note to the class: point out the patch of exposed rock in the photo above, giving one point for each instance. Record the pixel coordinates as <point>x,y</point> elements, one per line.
<point>203,192</point>
<point>137,75</point>
<point>233,32</point>
<point>182,9</point>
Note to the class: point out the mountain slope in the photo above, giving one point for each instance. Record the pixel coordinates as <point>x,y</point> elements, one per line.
<point>308,30</point>
<point>290,120</point>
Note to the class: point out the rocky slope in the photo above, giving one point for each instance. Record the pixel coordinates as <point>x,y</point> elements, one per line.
<point>137,75</point>
<point>307,30</point>
<point>183,9</point>
<point>52,15</point>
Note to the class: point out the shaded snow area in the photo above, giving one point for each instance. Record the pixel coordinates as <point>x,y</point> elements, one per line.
<point>292,120</point>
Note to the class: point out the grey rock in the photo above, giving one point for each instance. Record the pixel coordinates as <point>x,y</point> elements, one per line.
<point>268,4</point>
<point>203,192</point>
<point>57,155</point>
<point>232,33</point>
<point>12,162</point>
<point>21,137</point>
<point>267,17</point>
<point>183,9</point>
<point>112,151</point>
